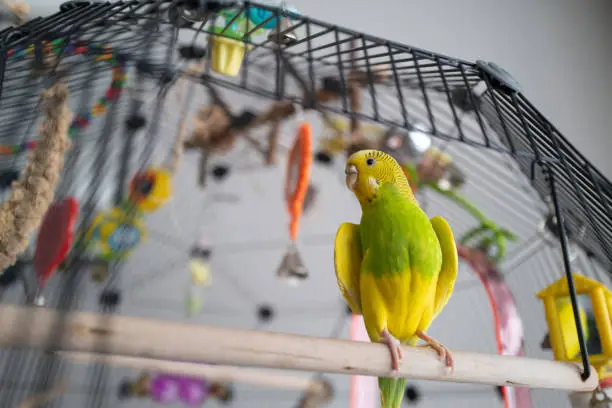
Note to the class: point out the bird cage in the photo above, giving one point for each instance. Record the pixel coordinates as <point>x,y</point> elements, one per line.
<point>81,173</point>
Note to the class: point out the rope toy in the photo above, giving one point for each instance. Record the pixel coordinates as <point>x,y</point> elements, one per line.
<point>32,195</point>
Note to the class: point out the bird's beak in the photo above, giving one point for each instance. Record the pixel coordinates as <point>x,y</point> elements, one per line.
<point>351,176</point>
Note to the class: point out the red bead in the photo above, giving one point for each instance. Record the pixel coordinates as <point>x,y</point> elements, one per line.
<point>112,93</point>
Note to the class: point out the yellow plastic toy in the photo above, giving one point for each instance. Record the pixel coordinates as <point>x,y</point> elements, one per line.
<point>150,189</point>
<point>568,325</point>
<point>563,335</point>
<point>227,55</point>
<point>200,272</point>
<point>114,234</point>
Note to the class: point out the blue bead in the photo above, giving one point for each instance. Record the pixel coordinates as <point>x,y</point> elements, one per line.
<point>258,16</point>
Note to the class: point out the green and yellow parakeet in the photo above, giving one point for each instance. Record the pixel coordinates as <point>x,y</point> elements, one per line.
<point>397,268</point>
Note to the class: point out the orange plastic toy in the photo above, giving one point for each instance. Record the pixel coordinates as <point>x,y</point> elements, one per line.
<point>298,175</point>
<point>296,185</point>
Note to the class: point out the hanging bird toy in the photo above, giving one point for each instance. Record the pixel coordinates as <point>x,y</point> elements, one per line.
<point>199,269</point>
<point>296,185</point>
<point>115,233</point>
<point>54,240</point>
<point>169,389</point>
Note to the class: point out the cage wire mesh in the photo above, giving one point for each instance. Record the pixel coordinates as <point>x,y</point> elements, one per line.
<point>511,155</point>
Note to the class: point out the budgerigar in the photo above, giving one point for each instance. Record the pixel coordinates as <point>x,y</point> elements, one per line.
<point>397,268</point>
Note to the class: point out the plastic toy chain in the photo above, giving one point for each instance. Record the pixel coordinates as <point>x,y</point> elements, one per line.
<point>98,53</point>
<point>115,233</point>
<point>508,324</point>
<point>199,262</point>
<point>170,389</point>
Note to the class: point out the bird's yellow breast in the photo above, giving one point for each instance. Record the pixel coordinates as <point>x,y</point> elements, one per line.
<point>401,302</point>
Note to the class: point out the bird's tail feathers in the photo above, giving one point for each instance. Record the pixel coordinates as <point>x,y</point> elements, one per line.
<point>391,391</point>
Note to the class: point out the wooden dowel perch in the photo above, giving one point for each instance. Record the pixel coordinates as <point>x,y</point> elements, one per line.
<point>164,340</point>
<point>221,373</point>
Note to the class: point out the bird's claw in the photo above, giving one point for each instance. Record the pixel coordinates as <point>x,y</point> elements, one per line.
<point>444,353</point>
<point>394,349</point>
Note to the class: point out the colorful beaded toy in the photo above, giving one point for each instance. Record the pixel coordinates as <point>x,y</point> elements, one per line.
<point>114,234</point>
<point>98,53</point>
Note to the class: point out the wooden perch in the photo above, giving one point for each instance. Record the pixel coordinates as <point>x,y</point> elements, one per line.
<point>165,340</point>
<point>220,373</point>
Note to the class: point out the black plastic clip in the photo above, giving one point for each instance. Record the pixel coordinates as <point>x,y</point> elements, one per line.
<point>499,78</point>
<point>192,52</point>
<point>73,4</point>
<point>110,298</point>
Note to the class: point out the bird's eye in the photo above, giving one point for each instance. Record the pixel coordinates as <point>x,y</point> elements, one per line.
<point>370,161</point>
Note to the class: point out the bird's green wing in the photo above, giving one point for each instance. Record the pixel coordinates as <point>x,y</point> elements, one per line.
<point>450,263</point>
<point>347,262</point>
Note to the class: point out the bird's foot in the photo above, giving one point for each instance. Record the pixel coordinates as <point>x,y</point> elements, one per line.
<point>394,348</point>
<point>445,355</point>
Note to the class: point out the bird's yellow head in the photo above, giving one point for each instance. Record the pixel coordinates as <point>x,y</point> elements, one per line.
<point>367,170</point>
